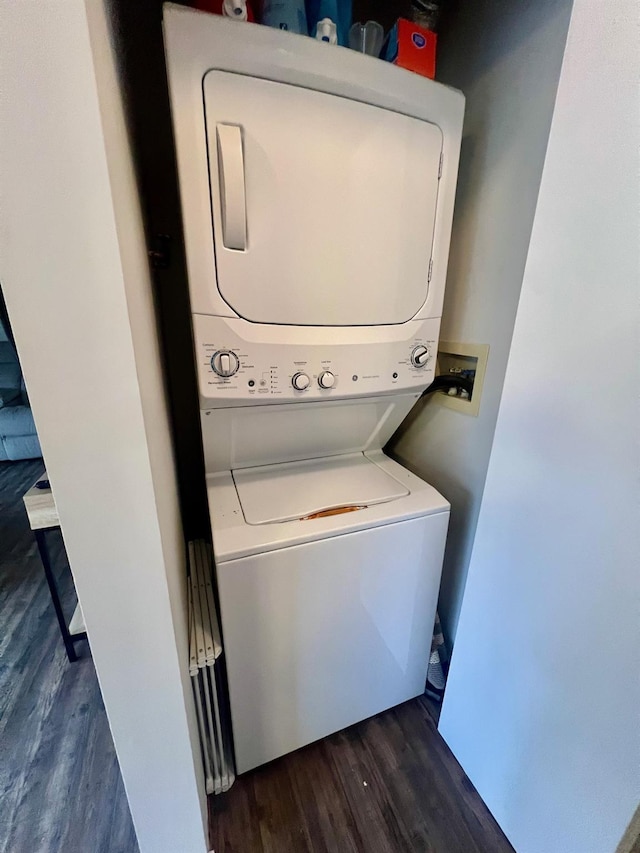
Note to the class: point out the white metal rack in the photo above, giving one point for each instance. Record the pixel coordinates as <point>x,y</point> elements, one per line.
<point>205,649</point>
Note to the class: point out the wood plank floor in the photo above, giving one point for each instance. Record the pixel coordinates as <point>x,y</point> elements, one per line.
<point>387,785</point>
<point>60,785</point>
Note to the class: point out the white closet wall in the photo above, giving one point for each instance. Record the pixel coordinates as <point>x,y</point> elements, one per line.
<point>76,280</point>
<point>542,704</point>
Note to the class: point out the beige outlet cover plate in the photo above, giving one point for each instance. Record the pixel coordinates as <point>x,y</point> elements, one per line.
<point>476,351</point>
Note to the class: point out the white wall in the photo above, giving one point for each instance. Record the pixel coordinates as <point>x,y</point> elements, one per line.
<point>505,57</point>
<point>78,290</point>
<point>542,707</point>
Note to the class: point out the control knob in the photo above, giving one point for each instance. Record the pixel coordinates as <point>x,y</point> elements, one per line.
<point>326,379</point>
<point>420,356</point>
<point>225,363</point>
<point>300,381</point>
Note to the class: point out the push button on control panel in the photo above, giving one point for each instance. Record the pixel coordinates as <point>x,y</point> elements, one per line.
<point>225,363</point>
<point>420,356</point>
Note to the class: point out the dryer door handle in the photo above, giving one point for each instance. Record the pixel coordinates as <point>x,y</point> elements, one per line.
<point>233,202</point>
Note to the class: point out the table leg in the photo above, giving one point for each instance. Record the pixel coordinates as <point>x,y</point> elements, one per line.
<point>55,598</point>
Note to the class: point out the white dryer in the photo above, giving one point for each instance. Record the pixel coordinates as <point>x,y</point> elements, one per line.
<point>317,189</point>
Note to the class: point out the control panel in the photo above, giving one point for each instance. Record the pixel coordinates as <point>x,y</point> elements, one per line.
<point>292,364</point>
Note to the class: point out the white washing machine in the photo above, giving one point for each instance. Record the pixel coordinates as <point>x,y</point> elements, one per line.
<point>326,620</point>
<point>317,189</point>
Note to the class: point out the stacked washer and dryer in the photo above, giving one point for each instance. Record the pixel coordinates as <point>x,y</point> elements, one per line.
<point>317,190</point>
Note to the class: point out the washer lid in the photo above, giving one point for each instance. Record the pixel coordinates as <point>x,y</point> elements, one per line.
<point>294,490</point>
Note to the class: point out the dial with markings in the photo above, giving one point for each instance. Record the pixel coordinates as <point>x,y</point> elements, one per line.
<point>225,363</point>
<point>420,355</point>
<point>326,379</point>
<point>300,381</point>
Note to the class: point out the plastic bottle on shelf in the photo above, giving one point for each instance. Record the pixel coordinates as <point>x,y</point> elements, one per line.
<point>327,31</point>
<point>285,15</point>
<point>236,9</point>
<point>321,13</point>
<point>239,10</point>
<point>366,38</point>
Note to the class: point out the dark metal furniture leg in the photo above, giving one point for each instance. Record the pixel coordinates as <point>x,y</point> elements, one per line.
<point>53,589</point>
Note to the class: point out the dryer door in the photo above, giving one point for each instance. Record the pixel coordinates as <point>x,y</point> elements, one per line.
<point>323,208</point>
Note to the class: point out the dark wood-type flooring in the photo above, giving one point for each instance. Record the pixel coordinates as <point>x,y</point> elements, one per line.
<point>60,784</point>
<point>387,785</point>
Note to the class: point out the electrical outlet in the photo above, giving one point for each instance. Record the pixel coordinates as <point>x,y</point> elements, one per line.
<point>468,361</point>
